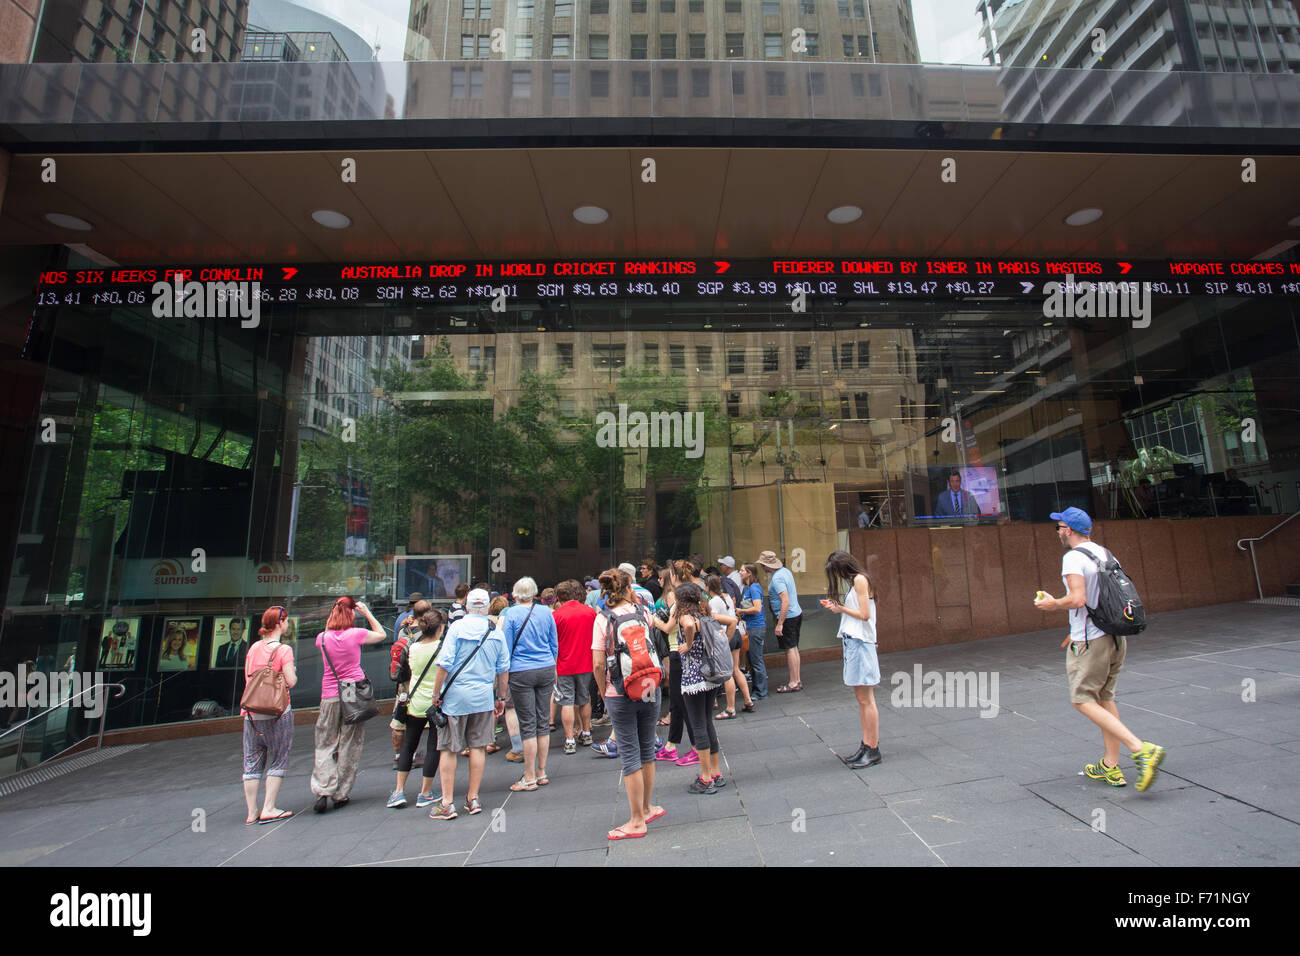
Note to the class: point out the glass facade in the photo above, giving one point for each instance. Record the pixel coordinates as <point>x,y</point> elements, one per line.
<point>199,472</point>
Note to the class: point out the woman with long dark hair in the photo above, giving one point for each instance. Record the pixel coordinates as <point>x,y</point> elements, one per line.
<point>849,594</point>
<point>338,745</point>
<point>724,611</point>
<point>698,694</point>
<point>416,668</point>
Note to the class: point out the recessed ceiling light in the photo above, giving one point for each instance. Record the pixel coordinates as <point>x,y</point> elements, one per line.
<point>843,214</point>
<point>1083,217</point>
<point>64,221</point>
<point>591,215</point>
<point>331,219</point>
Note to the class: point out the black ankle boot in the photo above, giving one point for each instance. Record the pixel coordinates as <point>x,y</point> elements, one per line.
<point>869,757</point>
<point>857,754</point>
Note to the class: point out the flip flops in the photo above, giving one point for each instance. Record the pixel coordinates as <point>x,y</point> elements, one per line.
<point>653,817</point>
<point>282,815</point>
<point>623,834</point>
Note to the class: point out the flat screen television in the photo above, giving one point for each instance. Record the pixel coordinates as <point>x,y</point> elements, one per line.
<point>979,495</point>
<point>433,575</point>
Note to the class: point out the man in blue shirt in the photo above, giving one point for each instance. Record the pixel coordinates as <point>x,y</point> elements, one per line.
<point>783,599</point>
<point>469,704</point>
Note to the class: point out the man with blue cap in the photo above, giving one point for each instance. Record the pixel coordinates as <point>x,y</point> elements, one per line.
<point>1094,658</point>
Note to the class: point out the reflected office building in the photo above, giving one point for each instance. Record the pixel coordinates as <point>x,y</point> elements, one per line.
<point>547,317</point>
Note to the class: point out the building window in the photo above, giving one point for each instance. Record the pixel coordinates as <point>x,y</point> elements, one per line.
<point>772,45</point>
<point>523,46</point>
<point>736,45</point>
<point>566,537</point>
<point>599,7</point>
<point>640,82</point>
<point>864,355</point>
<point>483,359</point>
<point>858,10</point>
<point>808,8</point>
<point>560,85</point>
<point>848,44</point>
<point>667,6</point>
<point>775,83</point>
<point>733,404</point>
<point>599,83</point>
<point>458,83</point>
<point>598,46</point>
<point>563,8</point>
<point>564,355</point>
<point>521,84</point>
<point>816,84</point>
<point>524,9</point>
<point>699,84</point>
<point>771,8</point>
<point>771,360</point>
<point>528,357</point>
<point>696,6</point>
<point>696,41</point>
<point>846,355</point>
<point>873,80</point>
<point>560,45</point>
<point>639,48</point>
<point>814,44</point>
<point>737,84</point>
<point>704,358</point>
<point>608,356</point>
<point>677,358</point>
<point>638,6</point>
<point>736,362</point>
<point>731,6</point>
<point>650,355</point>
<point>862,405</point>
<point>875,44</point>
<point>855,82</point>
<point>842,8</point>
<point>802,357</point>
<point>668,46</point>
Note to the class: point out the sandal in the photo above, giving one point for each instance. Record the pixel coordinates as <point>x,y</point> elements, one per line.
<point>523,786</point>
<point>618,833</point>
<point>790,688</point>
<point>493,748</point>
<point>726,715</point>
<point>542,779</point>
<point>253,822</point>
<point>748,708</point>
<point>665,721</point>
<point>282,815</point>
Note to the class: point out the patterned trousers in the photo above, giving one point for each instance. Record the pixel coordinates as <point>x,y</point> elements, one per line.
<point>338,752</point>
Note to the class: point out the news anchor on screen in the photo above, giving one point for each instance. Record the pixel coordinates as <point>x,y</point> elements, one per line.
<point>956,503</point>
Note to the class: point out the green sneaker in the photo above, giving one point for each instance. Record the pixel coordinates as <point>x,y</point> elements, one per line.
<point>1099,771</point>
<point>1148,761</point>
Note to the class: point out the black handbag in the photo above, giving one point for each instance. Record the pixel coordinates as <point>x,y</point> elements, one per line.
<point>356,697</point>
<point>399,709</point>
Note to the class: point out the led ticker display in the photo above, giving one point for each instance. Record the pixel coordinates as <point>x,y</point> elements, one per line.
<point>459,283</point>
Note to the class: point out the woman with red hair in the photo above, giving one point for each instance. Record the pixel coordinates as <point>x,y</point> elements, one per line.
<point>268,739</point>
<point>338,745</point>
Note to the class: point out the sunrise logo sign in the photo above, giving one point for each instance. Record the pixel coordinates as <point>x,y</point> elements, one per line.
<point>276,572</point>
<point>170,571</point>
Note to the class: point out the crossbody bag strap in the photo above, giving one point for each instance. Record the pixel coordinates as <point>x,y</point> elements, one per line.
<point>532,607</point>
<point>465,663</point>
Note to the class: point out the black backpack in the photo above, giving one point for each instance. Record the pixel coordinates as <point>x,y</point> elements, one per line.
<point>1119,610</point>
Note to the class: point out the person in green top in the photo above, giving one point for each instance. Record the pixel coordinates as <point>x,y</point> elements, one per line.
<point>417,667</point>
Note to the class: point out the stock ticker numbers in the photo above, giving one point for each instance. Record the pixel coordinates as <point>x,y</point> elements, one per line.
<point>832,281</point>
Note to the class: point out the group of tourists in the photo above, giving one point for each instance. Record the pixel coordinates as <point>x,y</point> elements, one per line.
<point>626,642</point>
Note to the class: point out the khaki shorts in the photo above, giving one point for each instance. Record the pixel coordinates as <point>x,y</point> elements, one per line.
<point>469,730</point>
<point>1094,669</point>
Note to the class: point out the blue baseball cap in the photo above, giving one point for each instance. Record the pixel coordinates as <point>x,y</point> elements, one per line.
<point>1076,518</point>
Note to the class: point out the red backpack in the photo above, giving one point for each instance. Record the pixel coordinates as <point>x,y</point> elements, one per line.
<point>630,659</point>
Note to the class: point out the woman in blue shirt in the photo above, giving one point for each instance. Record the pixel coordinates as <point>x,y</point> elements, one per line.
<point>534,645</point>
<point>751,597</point>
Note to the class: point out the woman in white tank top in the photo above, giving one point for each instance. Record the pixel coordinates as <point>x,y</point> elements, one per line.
<point>850,595</point>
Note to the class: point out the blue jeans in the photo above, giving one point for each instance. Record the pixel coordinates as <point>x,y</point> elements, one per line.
<point>756,665</point>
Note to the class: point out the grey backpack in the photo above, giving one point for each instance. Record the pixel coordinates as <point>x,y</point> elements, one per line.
<point>716,665</point>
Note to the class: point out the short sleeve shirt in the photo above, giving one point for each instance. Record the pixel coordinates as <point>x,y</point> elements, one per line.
<point>344,648</point>
<point>573,622</point>
<point>1081,626</point>
<point>783,583</point>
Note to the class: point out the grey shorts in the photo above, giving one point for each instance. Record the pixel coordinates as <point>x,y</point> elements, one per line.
<point>573,689</point>
<point>468,730</point>
<point>531,690</point>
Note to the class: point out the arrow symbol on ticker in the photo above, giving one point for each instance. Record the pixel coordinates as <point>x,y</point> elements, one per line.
<point>1026,287</point>
<point>722,266</point>
<point>289,271</point>
<point>1124,267</point>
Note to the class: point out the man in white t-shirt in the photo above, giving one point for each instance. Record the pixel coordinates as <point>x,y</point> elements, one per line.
<point>1093,658</point>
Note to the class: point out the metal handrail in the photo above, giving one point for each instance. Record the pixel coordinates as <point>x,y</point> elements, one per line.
<point>99,741</point>
<point>1251,541</point>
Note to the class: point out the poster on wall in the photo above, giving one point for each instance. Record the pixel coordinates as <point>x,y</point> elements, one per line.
<point>433,575</point>
<point>230,641</point>
<point>180,644</point>
<point>117,644</point>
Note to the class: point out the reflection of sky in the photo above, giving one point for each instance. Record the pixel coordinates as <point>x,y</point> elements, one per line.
<point>947,30</point>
